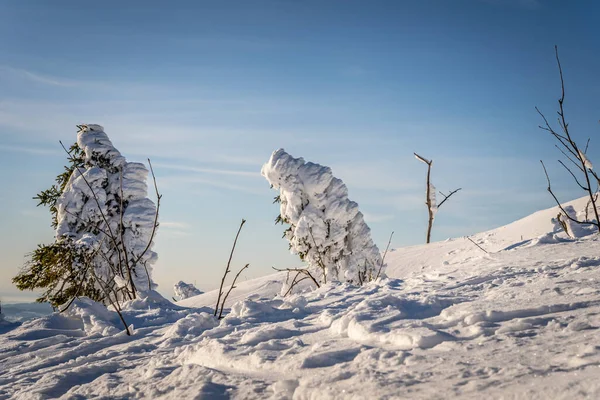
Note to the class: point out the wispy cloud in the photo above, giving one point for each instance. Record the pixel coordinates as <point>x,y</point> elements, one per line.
<point>213,171</point>
<point>174,225</point>
<point>374,218</point>
<point>27,150</point>
<point>174,228</point>
<point>36,77</point>
<point>217,183</point>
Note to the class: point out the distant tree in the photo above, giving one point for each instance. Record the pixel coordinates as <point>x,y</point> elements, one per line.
<point>583,173</point>
<point>326,229</point>
<point>430,197</point>
<point>184,290</point>
<point>104,226</point>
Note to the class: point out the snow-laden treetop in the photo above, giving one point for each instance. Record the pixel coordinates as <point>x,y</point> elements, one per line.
<point>104,205</point>
<point>326,228</point>
<point>185,290</point>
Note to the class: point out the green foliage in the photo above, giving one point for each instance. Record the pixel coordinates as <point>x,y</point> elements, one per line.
<point>60,267</point>
<point>50,196</point>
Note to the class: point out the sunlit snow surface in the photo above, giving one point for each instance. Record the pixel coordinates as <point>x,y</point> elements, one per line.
<point>451,321</point>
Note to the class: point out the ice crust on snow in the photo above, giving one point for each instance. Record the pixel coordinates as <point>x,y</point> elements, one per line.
<point>326,227</point>
<point>93,196</point>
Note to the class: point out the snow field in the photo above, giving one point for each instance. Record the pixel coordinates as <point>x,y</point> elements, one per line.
<point>449,321</point>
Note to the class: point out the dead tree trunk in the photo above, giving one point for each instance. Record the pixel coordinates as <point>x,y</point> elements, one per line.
<point>430,200</point>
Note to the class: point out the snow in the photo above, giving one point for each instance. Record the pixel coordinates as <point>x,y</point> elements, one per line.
<point>106,196</point>
<point>432,200</point>
<point>326,228</point>
<point>586,162</point>
<point>185,290</point>
<point>449,321</point>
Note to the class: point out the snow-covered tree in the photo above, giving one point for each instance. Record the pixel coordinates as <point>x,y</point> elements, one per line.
<point>104,209</point>
<point>326,229</point>
<point>104,225</point>
<point>185,290</point>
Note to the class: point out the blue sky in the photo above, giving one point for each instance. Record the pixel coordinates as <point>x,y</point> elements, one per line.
<point>208,90</point>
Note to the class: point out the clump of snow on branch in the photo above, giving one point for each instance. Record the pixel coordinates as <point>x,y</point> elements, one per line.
<point>432,200</point>
<point>586,162</point>
<point>326,228</point>
<point>104,210</point>
<point>185,290</point>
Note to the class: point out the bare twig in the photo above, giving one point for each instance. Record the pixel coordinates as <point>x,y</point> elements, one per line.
<point>321,264</point>
<point>558,202</point>
<point>294,283</point>
<point>447,197</point>
<point>122,232</point>
<point>227,270</point>
<point>384,254</point>
<point>302,270</point>
<point>158,197</point>
<point>230,289</point>
<point>579,159</point>
<point>471,240</point>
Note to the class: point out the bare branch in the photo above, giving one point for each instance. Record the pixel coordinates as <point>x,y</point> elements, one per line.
<point>447,197</point>
<point>227,270</point>
<point>321,264</point>
<point>158,197</point>
<point>573,175</point>
<point>569,158</point>
<point>423,159</point>
<point>384,254</point>
<point>230,289</point>
<point>586,146</point>
<point>471,240</point>
<point>302,270</point>
<point>560,205</point>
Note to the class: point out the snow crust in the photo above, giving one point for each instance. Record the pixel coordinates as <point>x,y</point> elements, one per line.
<point>450,321</point>
<point>327,228</point>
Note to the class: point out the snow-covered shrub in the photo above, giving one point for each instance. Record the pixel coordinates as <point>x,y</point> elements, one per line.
<point>104,224</point>
<point>326,229</point>
<point>185,290</point>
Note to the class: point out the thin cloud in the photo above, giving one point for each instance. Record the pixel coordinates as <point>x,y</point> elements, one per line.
<point>174,229</point>
<point>216,183</point>
<point>214,171</point>
<point>174,225</point>
<point>35,77</point>
<point>27,150</point>
<point>374,218</point>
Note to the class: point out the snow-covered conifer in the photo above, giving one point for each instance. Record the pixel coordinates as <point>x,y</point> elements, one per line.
<point>105,212</point>
<point>326,228</point>
<point>185,290</point>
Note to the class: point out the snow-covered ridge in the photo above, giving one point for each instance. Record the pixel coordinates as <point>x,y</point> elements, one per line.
<point>452,321</point>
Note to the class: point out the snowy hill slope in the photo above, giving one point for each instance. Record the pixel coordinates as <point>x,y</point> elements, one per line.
<point>522,321</point>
